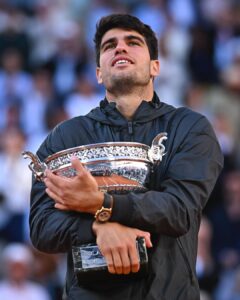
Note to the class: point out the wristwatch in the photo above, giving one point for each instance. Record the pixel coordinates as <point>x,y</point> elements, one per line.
<point>103,214</point>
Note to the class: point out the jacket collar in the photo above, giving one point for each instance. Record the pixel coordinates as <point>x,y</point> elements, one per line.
<point>105,104</point>
<point>147,111</point>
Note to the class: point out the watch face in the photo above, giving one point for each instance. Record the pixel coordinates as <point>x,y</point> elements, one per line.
<point>104,215</point>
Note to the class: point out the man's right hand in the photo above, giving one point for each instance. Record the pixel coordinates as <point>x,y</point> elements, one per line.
<point>117,244</point>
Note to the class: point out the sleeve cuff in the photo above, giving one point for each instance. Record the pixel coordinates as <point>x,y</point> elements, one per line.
<point>84,233</point>
<point>122,209</point>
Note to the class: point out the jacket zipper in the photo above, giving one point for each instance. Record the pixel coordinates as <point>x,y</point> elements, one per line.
<point>184,255</point>
<point>130,129</point>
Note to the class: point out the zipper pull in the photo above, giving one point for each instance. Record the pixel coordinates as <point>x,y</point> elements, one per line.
<point>130,128</point>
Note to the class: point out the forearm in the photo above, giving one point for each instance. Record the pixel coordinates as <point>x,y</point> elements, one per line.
<point>179,194</point>
<point>53,230</point>
<point>156,212</point>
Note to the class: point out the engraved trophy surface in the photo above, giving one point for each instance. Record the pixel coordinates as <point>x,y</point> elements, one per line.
<point>118,167</point>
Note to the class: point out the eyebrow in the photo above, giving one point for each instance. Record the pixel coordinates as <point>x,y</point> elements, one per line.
<point>127,38</point>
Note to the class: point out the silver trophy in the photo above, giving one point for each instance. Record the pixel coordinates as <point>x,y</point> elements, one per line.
<point>118,167</point>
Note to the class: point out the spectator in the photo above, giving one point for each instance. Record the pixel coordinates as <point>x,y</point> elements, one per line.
<point>226,224</point>
<point>15,85</point>
<point>201,62</point>
<point>13,35</point>
<point>83,99</point>
<point>228,288</point>
<point>17,260</point>
<point>16,191</point>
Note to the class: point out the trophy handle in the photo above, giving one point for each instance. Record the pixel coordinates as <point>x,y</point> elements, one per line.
<point>36,166</point>
<point>157,150</point>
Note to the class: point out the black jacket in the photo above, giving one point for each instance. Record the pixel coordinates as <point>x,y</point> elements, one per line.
<point>170,210</point>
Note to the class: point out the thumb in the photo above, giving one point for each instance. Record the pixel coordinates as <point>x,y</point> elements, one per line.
<point>77,165</point>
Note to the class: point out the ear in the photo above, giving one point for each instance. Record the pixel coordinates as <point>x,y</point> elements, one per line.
<point>99,75</point>
<point>155,68</point>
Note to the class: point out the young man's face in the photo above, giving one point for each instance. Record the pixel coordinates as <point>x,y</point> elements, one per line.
<point>125,58</point>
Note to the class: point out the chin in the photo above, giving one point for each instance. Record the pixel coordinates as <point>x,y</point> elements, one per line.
<point>122,83</point>
<point>124,76</point>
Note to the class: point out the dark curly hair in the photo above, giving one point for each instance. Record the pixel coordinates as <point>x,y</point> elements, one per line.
<point>125,21</point>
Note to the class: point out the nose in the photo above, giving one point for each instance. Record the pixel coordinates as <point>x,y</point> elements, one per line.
<point>121,47</point>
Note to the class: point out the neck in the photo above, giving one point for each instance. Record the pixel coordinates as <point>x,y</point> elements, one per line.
<point>127,103</point>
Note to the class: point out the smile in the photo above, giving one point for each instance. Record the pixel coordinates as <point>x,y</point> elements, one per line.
<point>121,61</point>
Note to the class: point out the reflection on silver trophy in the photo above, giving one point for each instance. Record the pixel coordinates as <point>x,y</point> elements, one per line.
<point>118,167</point>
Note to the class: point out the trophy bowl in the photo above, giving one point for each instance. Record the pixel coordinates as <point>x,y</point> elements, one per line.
<point>118,167</point>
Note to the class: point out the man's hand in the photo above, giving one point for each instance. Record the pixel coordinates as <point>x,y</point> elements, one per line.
<point>79,193</point>
<point>117,244</point>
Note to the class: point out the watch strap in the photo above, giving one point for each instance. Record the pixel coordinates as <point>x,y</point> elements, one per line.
<point>107,201</point>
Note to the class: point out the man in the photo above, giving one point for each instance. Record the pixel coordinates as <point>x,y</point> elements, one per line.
<point>168,215</point>
<point>17,283</point>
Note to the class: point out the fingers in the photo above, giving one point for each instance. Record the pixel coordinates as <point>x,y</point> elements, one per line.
<point>51,184</point>
<point>117,262</point>
<point>126,263</point>
<point>59,181</point>
<point>61,206</point>
<point>148,241</point>
<point>110,264</point>
<point>146,236</point>
<point>53,190</point>
<point>79,193</point>
<point>122,260</point>
<point>54,196</point>
<point>83,175</point>
<point>134,260</point>
<point>52,180</point>
<point>117,243</point>
<point>57,187</point>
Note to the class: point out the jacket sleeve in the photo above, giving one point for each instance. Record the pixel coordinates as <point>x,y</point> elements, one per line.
<point>193,163</point>
<point>52,230</point>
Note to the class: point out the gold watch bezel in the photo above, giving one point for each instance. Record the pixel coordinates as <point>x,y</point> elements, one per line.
<point>103,214</point>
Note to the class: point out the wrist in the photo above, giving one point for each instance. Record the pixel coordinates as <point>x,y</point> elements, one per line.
<point>98,203</point>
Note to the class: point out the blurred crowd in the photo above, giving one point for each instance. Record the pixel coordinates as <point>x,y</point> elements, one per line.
<point>47,74</point>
